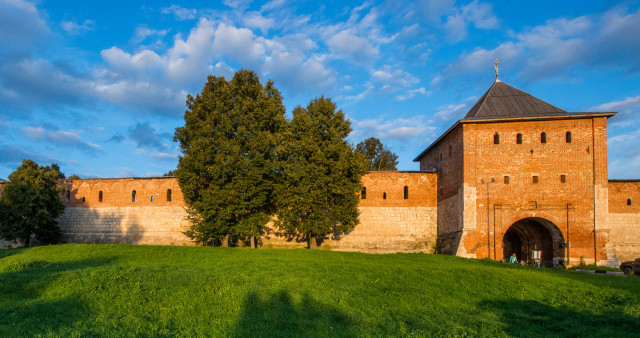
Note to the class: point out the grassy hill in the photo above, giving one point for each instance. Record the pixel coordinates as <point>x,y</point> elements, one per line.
<point>82,290</point>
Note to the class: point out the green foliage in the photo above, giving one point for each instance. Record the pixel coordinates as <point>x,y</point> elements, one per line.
<point>74,177</point>
<point>377,155</point>
<point>76,290</point>
<point>30,204</point>
<point>228,164</point>
<point>170,173</point>
<point>320,175</point>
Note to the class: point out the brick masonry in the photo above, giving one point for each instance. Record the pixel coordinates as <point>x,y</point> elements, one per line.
<point>391,224</point>
<point>485,188</point>
<point>624,218</point>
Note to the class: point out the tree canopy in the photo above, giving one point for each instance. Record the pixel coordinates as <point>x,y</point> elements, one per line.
<point>228,164</point>
<point>30,204</point>
<point>321,173</point>
<point>377,155</point>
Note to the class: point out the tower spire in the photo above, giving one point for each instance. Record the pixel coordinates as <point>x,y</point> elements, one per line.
<point>496,66</point>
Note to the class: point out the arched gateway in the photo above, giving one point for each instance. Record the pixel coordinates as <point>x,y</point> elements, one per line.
<point>532,233</point>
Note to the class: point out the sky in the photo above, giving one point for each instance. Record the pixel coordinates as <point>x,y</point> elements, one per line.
<point>99,87</point>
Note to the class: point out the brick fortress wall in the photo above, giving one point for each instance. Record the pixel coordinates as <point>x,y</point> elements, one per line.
<point>624,218</point>
<point>394,224</point>
<point>106,211</point>
<point>389,222</point>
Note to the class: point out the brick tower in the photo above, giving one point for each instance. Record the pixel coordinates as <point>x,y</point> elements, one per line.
<point>519,175</point>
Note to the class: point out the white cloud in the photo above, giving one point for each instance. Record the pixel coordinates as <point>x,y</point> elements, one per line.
<point>142,33</point>
<point>273,4</point>
<point>73,28</point>
<point>628,103</point>
<point>179,12</point>
<point>367,92</point>
<point>239,44</point>
<point>393,77</point>
<point>562,45</point>
<point>126,63</point>
<point>222,69</point>
<point>400,129</point>
<point>142,93</point>
<point>20,23</point>
<point>412,93</point>
<point>451,112</point>
<point>61,138</point>
<point>348,45</point>
<point>256,20</point>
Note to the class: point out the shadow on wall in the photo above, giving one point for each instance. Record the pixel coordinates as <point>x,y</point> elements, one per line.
<point>85,225</point>
<point>279,315</point>
<point>524,318</point>
<point>27,311</point>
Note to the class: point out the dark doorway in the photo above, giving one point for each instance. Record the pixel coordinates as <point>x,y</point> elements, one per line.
<point>529,234</point>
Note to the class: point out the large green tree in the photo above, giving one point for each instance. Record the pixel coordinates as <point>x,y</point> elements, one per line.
<point>378,156</point>
<point>321,174</point>
<point>228,164</point>
<point>30,204</point>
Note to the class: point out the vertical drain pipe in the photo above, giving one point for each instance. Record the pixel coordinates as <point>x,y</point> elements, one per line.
<point>567,244</point>
<point>593,156</point>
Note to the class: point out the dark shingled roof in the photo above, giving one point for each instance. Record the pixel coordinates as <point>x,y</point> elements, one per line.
<point>502,100</point>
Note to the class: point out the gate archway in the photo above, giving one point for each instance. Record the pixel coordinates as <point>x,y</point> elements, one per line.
<point>534,233</point>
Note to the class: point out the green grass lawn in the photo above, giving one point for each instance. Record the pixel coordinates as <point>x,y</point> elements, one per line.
<point>81,290</point>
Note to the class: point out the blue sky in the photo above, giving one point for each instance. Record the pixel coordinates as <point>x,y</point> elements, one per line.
<point>99,87</point>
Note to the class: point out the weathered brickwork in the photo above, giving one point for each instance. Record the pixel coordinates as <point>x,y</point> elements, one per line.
<point>391,224</point>
<point>569,204</point>
<point>446,158</point>
<point>108,211</point>
<point>624,218</point>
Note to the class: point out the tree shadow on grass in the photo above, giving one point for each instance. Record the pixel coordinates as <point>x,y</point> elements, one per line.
<point>526,318</point>
<point>279,315</point>
<point>26,309</point>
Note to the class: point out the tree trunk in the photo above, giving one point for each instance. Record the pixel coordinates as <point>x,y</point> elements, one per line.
<point>27,240</point>
<point>313,244</point>
<point>253,242</point>
<point>225,240</point>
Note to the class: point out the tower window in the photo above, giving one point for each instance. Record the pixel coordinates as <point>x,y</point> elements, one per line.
<point>506,179</point>
<point>384,195</point>
<point>100,196</point>
<point>543,137</point>
<point>535,178</point>
<point>563,178</point>
<point>83,199</point>
<point>406,192</point>
<point>496,138</point>
<point>363,193</point>
<point>151,198</point>
<point>628,201</point>
<point>519,138</point>
<point>168,195</point>
<point>440,156</point>
<point>450,150</point>
<point>568,137</point>
<point>68,195</point>
<point>133,196</point>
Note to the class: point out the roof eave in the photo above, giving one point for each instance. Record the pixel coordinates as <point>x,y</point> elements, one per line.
<point>550,116</point>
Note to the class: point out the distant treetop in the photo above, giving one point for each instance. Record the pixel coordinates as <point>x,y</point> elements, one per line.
<point>378,156</point>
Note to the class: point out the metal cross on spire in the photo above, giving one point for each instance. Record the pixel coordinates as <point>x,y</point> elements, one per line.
<point>496,66</point>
